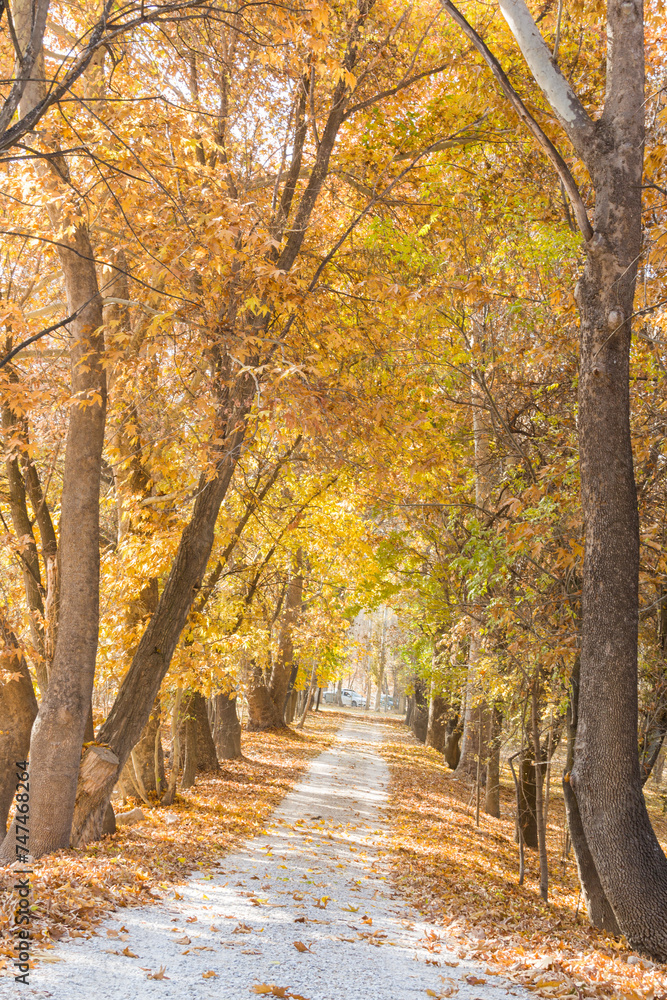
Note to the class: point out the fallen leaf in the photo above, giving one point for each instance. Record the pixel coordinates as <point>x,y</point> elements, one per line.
<point>300,946</point>
<point>130,954</point>
<point>475,980</point>
<point>183,940</point>
<point>160,974</point>
<point>209,975</point>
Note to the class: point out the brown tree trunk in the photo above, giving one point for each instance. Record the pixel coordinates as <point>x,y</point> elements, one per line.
<point>419,718</point>
<point>528,806</point>
<point>149,781</point>
<point>492,792</point>
<point>207,761</point>
<point>282,668</point>
<point>57,735</point>
<point>436,728</point>
<point>451,751</point>
<point>263,712</point>
<point>227,733</point>
<point>605,777</point>
<point>190,741</point>
<point>18,708</point>
<point>30,568</point>
<point>151,661</point>
<point>598,907</point>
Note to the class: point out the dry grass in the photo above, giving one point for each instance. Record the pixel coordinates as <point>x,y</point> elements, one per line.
<point>73,890</point>
<point>466,880</point>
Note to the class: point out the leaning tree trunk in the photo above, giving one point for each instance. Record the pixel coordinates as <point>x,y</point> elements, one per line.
<point>227,731</point>
<point>18,708</point>
<point>151,661</point>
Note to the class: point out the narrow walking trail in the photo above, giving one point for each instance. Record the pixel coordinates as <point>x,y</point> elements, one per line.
<point>305,910</point>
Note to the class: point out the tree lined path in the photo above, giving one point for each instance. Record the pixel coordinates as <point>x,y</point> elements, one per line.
<point>305,910</point>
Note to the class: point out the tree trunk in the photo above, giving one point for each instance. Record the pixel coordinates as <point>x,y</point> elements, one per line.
<point>57,734</point>
<point>597,905</point>
<point>282,668</point>
<point>14,427</point>
<point>383,660</point>
<point>190,741</point>
<point>143,761</point>
<point>436,728</point>
<point>18,708</point>
<point>475,719</point>
<point>452,752</point>
<point>539,803</point>
<point>227,734</point>
<point>492,793</point>
<point>169,795</point>
<point>263,713</point>
<point>528,804</point>
<point>207,761</point>
<point>605,777</point>
<point>419,719</point>
<point>151,661</point>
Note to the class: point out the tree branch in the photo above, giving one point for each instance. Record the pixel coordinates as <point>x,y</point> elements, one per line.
<point>544,141</point>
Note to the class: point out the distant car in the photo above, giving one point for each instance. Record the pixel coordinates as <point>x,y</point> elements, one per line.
<point>329,697</point>
<point>351,698</point>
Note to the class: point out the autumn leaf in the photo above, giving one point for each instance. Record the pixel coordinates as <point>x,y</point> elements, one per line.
<point>209,975</point>
<point>130,954</point>
<point>160,974</point>
<point>301,947</point>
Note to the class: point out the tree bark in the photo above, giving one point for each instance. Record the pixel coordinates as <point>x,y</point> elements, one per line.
<point>419,718</point>
<point>227,732</point>
<point>282,669</point>
<point>436,728</point>
<point>190,741</point>
<point>18,708</point>
<point>492,792</point>
<point>263,713</point>
<point>452,752</point>
<point>207,761</point>
<point>597,905</point>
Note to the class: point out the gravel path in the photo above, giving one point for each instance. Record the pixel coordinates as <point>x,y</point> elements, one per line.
<point>316,877</point>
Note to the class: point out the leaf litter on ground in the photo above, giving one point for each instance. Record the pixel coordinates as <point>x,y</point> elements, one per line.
<point>465,880</point>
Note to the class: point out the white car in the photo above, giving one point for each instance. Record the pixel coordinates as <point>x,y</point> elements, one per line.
<point>349,697</point>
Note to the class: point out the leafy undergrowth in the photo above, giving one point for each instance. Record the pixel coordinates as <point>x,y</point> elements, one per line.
<point>73,890</point>
<point>466,880</point>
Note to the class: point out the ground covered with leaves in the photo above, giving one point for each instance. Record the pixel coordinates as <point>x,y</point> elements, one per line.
<point>73,890</point>
<point>466,880</point>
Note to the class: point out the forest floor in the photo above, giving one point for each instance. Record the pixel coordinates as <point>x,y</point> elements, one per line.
<point>465,879</point>
<point>304,910</point>
<point>370,879</point>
